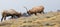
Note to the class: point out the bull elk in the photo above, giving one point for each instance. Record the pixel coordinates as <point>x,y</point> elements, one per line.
<point>11,13</point>
<point>35,10</point>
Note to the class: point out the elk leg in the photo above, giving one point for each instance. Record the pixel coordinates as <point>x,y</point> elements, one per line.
<point>12,17</point>
<point>1,19</point>
<point>29,14</point>
<point>5,18</point>
<point>35,13</point>
<point>43,12</point>
<point>18,15</point>
<point>40,12</point>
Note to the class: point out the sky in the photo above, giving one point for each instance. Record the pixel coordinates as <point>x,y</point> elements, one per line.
<point>50,5</point>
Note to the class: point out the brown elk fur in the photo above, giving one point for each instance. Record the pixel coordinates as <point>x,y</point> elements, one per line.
<point>10,12</point>
<point>35,10</point>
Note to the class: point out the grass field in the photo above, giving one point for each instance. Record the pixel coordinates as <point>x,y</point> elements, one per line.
<point>50,19</point>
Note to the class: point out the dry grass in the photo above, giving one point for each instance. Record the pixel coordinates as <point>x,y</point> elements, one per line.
<point>51,19</point>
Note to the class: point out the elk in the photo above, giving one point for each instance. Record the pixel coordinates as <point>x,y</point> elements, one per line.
<point>10,12</point>
<point>35,10</point>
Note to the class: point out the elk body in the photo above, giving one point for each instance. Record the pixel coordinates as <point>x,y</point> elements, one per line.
<point>35,10</point>
<point>11,13</point>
